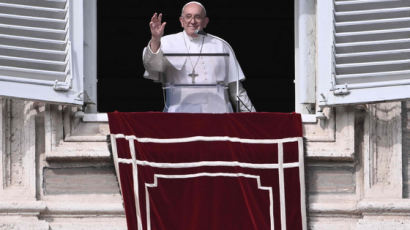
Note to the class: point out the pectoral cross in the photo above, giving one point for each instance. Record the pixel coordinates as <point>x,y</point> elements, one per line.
<point>193,75</point>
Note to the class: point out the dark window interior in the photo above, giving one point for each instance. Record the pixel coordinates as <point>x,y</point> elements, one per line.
<point>261,34</point>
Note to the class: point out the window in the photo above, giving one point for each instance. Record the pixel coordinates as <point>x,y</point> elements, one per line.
<point>41,50</point>
<point>267,61</point>
<point>363,50</point>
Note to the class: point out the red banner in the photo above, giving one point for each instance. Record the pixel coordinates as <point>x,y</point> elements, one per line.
<point>210,171</point>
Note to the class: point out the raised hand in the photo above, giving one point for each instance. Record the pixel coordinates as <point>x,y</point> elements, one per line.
<point>157,28</point>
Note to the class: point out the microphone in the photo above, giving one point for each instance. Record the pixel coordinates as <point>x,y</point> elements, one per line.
<point>201,32</point>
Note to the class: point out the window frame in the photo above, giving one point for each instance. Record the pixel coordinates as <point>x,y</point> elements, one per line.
<point>304,24</point>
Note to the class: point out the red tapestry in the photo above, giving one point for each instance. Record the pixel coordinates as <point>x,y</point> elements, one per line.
<point>210,171</point>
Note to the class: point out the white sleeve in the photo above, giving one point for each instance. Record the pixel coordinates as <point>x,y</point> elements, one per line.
<point>234,70</point>
<point>154,63</point>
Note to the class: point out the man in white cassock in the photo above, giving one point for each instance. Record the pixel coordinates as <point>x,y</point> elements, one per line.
<point>199,71</point>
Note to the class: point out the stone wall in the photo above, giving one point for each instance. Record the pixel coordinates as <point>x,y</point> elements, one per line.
<point>57,173</point>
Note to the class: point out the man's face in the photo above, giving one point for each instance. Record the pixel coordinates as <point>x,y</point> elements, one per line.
<point>193,18</point>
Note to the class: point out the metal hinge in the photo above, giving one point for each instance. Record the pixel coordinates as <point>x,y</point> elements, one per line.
<point>61,86</point>
<point>341,90</point>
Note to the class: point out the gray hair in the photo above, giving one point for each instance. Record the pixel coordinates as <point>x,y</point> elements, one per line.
<point>195,2</point>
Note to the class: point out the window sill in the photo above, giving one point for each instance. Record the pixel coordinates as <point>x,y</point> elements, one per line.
<point>102,117</point>
<point>93,117</point>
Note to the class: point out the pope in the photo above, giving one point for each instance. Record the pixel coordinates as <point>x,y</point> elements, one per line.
<point>195,66</point>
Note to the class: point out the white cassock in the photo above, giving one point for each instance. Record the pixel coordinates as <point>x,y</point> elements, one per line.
<point>194,97</point>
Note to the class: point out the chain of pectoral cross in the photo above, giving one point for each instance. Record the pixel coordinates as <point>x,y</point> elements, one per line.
<point>193,75</point>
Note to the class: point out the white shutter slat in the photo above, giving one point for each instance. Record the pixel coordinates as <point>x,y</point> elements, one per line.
<point>35,11</point>
<point>372,56</point>
<point>42,3</point>
<point>32,73</point>
<point>34,32</point>
<point>390,23</point>
<point>38,43</point>
<point>341,6</point>
<point>33,63</point>
<point>383,87</point>
<point>368,46</point>
<point>58,24</point>
<point>364,78</point>
<point>375,35</point>
<point>26,81</point>
<point>41,54</point>
<point>369,67</point>
<point>359,15</point>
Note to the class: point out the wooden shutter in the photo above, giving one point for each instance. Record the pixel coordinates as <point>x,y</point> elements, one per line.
<point>36,52</point>
<point>369,51</point>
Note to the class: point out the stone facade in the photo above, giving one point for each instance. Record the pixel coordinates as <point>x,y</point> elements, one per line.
<point>57,172</point>
<point>359,184</point>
